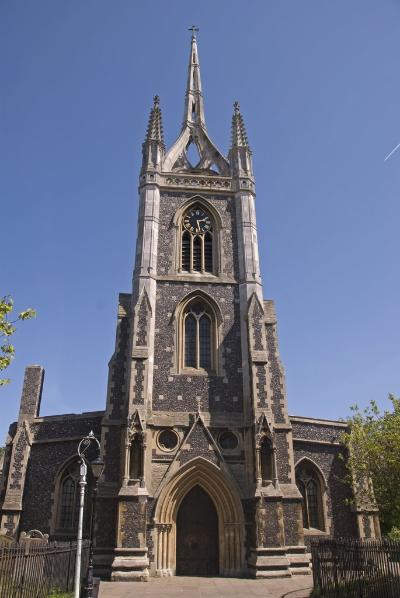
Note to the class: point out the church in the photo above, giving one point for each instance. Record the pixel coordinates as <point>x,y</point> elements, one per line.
<point>205,473</point>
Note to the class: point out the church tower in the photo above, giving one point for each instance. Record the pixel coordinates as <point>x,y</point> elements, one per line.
<point>200,475</point>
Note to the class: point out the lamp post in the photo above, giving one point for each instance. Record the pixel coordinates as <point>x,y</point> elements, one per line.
<point>97,467</point>
<point>84,444</point>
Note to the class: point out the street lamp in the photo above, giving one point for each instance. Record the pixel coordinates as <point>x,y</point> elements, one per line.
<point>97,467</point>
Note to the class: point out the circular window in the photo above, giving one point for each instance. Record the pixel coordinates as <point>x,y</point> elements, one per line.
<point>167,440</point>
<point>228,441</point>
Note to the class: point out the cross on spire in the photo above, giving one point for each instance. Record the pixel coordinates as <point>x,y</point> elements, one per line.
<point>194,30</point>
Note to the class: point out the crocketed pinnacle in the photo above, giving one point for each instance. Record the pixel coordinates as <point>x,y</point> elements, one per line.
<point>239,135</point>
<point>155,128</point>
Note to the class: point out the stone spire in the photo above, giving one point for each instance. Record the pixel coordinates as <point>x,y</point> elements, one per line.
<point>193,130</point>
<point>194,103</point>
<point>240,152</point>
<point>153,147</point>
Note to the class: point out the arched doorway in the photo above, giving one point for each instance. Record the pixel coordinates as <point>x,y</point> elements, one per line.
<point>219,488</point>
<point>197,535</point>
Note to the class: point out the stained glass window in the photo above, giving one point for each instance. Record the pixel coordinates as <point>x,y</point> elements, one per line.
<point>312,500</point>
<point>308,483</point>
<point>67,503</point>
<point>302,488</point>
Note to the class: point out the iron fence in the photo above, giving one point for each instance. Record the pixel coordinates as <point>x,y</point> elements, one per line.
<point>356,568</point>
<point>39,570</point>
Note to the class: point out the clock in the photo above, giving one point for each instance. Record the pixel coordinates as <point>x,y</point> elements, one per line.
<point>197,221</point>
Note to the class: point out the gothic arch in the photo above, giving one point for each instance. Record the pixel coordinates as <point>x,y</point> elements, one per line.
<point>64,471</point>
<point>200,472</point>
<point>322,493</point>
<point>215,315</point>
<point>200,201</point>
<point>318,470</point>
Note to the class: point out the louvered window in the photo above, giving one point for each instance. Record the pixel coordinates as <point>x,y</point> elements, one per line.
<point>186,239</point>
<point>208,253</point>
<point>197,261</point>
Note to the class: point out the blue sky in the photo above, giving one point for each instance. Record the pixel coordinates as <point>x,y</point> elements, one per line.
<point>319,87</point>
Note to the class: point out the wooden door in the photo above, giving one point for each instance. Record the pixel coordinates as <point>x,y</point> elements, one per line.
<point>197,535</point>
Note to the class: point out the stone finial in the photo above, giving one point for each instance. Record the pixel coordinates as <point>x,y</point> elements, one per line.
<point>240,152</point>
<point>155,128</point>
<point>239,135</point>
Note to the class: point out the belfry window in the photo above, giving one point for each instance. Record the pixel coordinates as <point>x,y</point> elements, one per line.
<point>197,241</point>
<point>309,484</point>
<point>198,350</point>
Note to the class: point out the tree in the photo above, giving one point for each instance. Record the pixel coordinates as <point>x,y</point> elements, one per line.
<point>7,329</point>
<point>373,443</point>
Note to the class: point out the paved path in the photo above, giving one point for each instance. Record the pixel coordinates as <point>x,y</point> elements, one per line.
<point>209,587</point>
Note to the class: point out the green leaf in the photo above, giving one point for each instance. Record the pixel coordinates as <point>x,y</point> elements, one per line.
<point>27,314</point>
<point>10,349</point>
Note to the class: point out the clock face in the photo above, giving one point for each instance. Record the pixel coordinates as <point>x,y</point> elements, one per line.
<point>197,221</point>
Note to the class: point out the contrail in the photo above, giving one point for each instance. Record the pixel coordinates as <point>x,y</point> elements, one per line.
<point>392,152</point>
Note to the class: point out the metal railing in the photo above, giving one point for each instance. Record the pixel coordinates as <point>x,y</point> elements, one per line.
<point>39,570</point>
<point>356,568</point>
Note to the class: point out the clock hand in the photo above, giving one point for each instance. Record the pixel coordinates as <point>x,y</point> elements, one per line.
<point>198,225</point>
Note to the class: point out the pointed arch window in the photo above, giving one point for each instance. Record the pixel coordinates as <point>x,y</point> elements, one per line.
<point>197,230</point>
<point>68,500</point>
<point>198,350</point>
<point>310,487</point>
